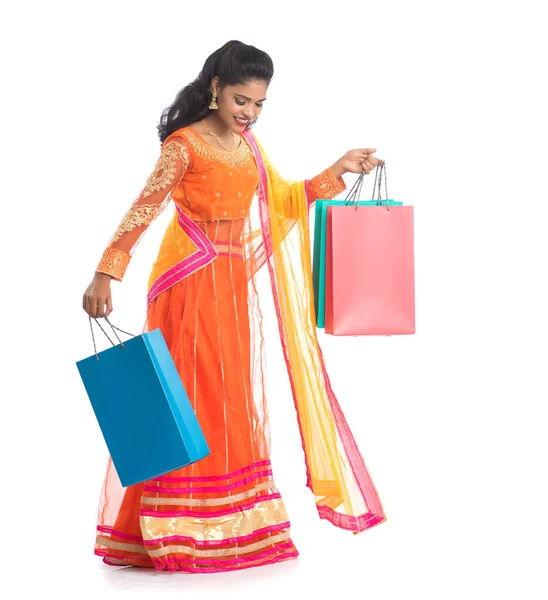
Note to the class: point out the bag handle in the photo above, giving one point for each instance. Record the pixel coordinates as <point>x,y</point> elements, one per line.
<point>354,194</point>
<point>355,190</point>
<point>113,327</point>
<point>381,172</point>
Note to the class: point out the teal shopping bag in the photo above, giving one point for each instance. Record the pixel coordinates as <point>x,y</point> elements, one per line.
<point>142,408</point>
<point>319,252</point>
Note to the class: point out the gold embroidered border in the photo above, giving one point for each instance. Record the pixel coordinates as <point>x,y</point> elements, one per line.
<point>263,514</point>
<point>236,550</point>
<point>114,262</point>
<point>136,216</point>
<point>208,501</point>
<point>166,167</point>
<point>237,158</point>
<point>108,543</point>
<point>326,186</point>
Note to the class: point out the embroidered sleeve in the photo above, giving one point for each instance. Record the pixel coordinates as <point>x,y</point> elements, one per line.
<point>325,186</point>
<point>171,166</point>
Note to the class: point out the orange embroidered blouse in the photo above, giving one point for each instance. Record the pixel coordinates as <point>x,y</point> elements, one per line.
<point>208,184</point>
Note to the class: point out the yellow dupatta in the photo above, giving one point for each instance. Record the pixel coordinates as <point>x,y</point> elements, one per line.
<point>336,473</point>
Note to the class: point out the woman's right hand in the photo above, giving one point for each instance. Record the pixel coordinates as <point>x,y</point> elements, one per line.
<point>98,296</point>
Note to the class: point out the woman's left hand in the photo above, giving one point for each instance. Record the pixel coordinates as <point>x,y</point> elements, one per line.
<point>356,161</point>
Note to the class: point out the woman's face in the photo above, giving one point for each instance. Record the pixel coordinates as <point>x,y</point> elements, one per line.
<point>240,104</point>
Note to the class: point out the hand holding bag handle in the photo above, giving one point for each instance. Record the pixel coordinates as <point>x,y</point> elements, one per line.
<point>113,327</point>
<point>353,197</point>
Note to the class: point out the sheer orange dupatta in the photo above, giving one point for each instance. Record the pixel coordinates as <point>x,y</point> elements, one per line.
<point>336,473</point>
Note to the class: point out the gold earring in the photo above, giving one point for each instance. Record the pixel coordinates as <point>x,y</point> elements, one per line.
<point>213,104</point>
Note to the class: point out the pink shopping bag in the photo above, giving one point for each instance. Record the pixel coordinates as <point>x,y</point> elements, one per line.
<point>370,275</point>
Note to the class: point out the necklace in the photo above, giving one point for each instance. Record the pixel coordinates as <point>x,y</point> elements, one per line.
<point>234,137</point>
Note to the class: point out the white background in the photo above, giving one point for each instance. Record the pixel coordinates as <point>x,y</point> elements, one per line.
<point>450,421</point>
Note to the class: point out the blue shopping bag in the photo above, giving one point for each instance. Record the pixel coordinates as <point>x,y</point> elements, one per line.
<point>142,407</point>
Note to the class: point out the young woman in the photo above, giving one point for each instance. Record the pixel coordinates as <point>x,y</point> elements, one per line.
<point>224,512</point>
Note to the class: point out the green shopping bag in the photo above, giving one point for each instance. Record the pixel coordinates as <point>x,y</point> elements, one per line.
<point>320,241</point>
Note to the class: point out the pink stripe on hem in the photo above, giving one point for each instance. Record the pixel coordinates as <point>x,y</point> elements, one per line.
<point>213,543</point>
<point>261,463</point>
<point>206,514</point>
<point>276,559</point>
<point>217,488</point>
<point>229,560</point>
<point>109,530</point>
<point>121,557</point>
<point>129,560</point>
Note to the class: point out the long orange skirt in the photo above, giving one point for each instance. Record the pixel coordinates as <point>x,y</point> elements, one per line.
<point>223,512</point>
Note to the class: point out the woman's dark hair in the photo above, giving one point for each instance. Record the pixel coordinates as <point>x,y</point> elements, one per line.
<point>235,63</point>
